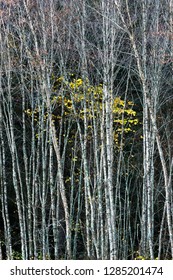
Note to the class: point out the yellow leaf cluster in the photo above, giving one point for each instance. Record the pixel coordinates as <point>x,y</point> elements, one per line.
<point>76,83</point>
<point>77,93</point>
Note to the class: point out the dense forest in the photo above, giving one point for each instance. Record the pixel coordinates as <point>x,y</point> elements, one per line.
<point>86,129</point>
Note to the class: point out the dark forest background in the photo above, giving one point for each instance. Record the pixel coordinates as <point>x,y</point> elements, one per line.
<point>86,149</point>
